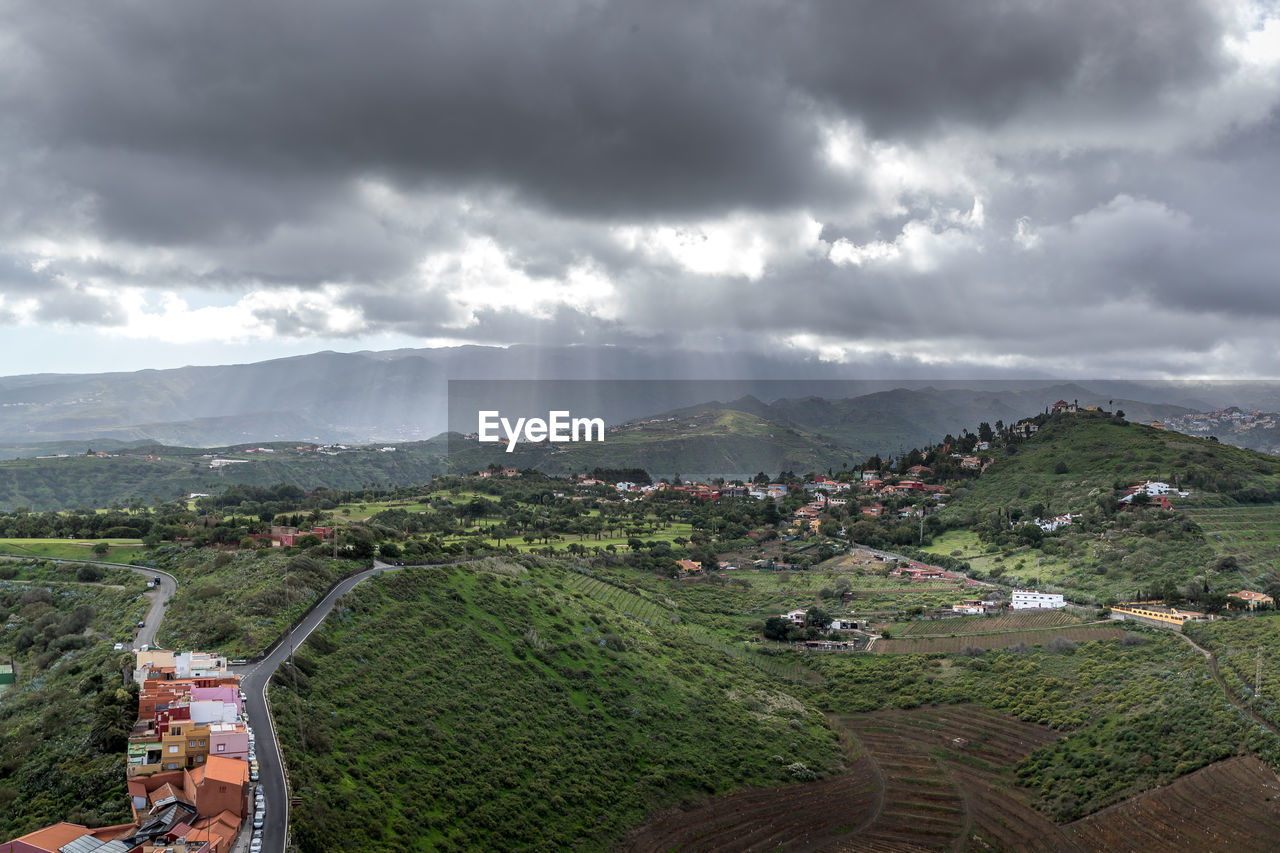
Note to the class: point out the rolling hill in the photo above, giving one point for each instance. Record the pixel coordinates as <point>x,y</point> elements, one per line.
<point>1098,453</point>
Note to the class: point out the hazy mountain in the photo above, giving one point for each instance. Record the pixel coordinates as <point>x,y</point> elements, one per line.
<point>404,395</point>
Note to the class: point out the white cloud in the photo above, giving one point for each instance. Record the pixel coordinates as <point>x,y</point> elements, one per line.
<point>481,276</point>
<point>739,245</point>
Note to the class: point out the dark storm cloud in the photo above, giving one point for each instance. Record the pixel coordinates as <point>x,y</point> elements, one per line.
<point>1023,183</point>
<point>638,108</point>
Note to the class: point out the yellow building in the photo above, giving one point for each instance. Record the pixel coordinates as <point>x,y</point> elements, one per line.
<point>1163,615</point>
<point>185,746</point>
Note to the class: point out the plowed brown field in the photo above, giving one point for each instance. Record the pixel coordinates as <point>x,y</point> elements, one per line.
<point>940,778</point>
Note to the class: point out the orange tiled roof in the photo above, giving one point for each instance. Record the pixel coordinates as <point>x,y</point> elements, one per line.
<point>52,837</point>
<point>229,770</point>
<point>164,792</point>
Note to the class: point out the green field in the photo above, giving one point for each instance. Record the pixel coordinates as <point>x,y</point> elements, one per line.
<point>120,550</point>
<point>523,709</point>
<point>1251,534</point>
<point>1247,647</point>
<point>986,624</point>
<point>1002,640</point>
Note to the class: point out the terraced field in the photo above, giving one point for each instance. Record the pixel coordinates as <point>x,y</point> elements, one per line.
<point>941,778</point>
<point>1002,640</point>
<point>797,819</point>
<point>1251,534</point>
<point>986,624</point>
<point>1232,805</point>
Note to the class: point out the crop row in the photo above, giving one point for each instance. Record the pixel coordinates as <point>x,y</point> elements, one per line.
<point>988,624</point>
<point>929,645</point>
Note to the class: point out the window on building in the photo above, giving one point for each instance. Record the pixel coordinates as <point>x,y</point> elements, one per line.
<point>173,749</point>
<point>222,747</point>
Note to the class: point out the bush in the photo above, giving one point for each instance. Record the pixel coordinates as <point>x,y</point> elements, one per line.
<point>1062,645</point>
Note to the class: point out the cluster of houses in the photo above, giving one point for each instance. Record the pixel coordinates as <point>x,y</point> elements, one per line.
<point>1156,492</point>
<point>282,536</point>
<point>1231,419</point>
<point>1156,613</point>
<point>189,770</point>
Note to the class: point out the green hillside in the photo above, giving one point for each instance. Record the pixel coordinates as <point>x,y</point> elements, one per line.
<point>1076,458</point>
<point>506,709</point>
<point>155,472</point>
<point>710,442</point>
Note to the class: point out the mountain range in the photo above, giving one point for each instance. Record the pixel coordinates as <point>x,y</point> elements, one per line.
<point>413,394</point>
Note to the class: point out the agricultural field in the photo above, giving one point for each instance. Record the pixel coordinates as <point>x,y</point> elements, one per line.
<point>803,818</point>
<point>1251,534</point>
<point>926,758</point>
<point>118,550</point>
<point>1246,647</point>
<point>1232,805</point>
<point>985,624</point>
<point>1002,640</point>
<point>945,777</point>
<point>1133,713</point>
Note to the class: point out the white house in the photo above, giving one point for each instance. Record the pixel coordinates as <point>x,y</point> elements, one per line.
<point>795,617</point>
<point>1029,599</point>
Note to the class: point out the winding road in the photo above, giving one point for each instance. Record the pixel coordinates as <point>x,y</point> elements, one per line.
<point>254,679</point>
<point>159,597</point>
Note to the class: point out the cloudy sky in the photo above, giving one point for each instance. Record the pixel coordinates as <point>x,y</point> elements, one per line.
<point>1073,187</point>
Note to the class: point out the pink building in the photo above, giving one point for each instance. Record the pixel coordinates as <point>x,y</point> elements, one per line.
<point>230,740</point>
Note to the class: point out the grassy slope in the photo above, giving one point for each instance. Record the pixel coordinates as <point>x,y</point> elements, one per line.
<point>475,733</point>
<point>1099,454</point>
<point>1141,550</point>
<point>718,442</point>
<point>238,602</point>
<point>1239,645</point>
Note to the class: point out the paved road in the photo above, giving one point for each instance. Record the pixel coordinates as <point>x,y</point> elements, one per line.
<point>254,679</point>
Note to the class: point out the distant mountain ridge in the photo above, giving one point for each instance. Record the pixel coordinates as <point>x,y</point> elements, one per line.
<point>404,395</point>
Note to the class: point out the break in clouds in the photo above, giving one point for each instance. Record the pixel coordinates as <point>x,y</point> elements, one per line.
<point>1066,187</point>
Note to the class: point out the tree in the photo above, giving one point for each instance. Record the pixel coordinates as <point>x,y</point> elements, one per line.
<point>390,550</point>
<point>817,617</point>
<point>101,548</point>
<point>985,433</point>
<point>776,628</point>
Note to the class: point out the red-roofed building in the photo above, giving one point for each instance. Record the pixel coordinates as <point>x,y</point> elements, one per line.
<point>1253,600</point>
<point>46,840</point>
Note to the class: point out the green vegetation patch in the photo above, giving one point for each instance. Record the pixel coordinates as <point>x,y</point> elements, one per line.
<point>1135,712</point>
<point>65,723</point>
<point>1248,653</point>
<point>453,709</point>
<point>238,602</point>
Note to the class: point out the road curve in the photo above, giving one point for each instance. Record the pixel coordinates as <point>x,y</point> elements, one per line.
<point>254,680</point>
<point>159,598</point>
